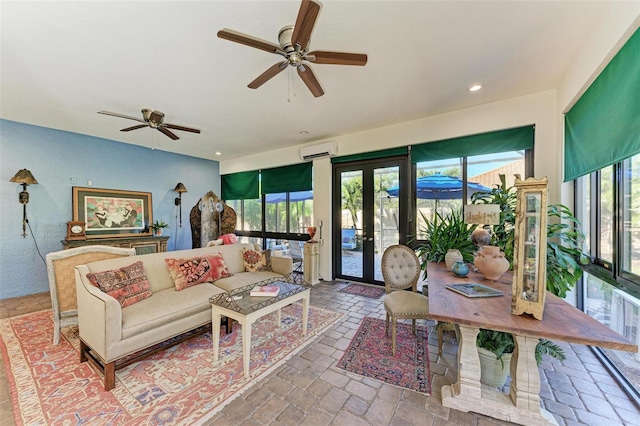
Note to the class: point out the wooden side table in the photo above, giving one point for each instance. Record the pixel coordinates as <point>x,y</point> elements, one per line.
<point>143,245</point>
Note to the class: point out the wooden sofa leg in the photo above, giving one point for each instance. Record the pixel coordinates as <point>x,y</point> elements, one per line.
<point>109,376</point>
<point>83,351</point>
<point>229,325</point>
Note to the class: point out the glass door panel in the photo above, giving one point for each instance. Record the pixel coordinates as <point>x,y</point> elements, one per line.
<point>386,221</point>
<point>368,217</point>
<point>351,223</point>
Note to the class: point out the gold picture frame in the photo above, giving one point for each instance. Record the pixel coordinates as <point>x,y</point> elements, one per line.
<point>112,213</point>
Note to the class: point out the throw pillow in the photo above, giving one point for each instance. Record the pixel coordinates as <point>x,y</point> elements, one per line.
<point>127,285</point>
<point>256,260</point>
<point>187,272</point>
<point>229,239</point>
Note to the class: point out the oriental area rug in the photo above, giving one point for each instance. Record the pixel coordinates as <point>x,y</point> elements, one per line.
<point>369,355</point>
<point>178,385</point>
<point>363,290</point>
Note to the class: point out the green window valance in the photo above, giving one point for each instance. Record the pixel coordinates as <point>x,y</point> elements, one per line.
<point>603,127</point>
<point>514,139</point>
<point>297,177</point>
<point>241,186</point>
<point>391,152</point>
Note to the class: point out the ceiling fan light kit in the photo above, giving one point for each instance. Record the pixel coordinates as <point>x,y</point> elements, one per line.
<point>154,119</point>
<point>293,46</point>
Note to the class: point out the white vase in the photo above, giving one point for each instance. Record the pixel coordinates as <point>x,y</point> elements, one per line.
<point>451,257</point>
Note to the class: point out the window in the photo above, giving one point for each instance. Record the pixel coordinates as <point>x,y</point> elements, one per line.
<point>611,285</point>
<point>442,184</point>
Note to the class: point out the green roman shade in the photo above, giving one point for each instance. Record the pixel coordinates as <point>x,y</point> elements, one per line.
<point>603,127</point>
<point>241,186</point>
<point>373,155</point>
<point>514,139</point>
<point>298,177</point>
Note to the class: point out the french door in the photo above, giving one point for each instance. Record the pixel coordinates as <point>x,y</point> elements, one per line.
<point>366,218</point>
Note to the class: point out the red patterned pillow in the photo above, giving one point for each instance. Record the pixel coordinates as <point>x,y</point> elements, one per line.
<point>127,285</point>
<point>229,239</point>
<point>255,260</point>
<point>196,270</point>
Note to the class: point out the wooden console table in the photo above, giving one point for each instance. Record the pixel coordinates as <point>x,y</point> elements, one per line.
<point>143,245</point>
<point>561,321</point>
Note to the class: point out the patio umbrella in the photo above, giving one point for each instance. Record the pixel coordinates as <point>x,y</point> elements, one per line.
<point>281,197</point>
<point>439,187</point>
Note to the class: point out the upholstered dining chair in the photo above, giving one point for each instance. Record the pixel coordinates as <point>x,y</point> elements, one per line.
<point>62,280</point>
<point>401,270</point>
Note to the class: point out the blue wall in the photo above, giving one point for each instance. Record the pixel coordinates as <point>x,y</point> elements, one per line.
<point>56,157</point>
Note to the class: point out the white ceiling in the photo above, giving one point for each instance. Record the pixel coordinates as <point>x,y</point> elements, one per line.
<point>61,62</point>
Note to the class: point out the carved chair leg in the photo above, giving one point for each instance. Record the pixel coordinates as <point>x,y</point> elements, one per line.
<point>109,376</point>
<point>386,325</point>
<point>393,335</point>
<point>439,328</point>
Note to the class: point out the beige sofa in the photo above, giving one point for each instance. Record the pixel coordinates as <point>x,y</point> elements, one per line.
<point>109,332</point>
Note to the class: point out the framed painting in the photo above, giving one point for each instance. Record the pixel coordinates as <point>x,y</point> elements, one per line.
<point>110,213</point>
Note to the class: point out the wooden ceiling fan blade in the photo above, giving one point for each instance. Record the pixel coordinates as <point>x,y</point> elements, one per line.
<point>177,127</point>
<point>248,40</point>
<point>303,27</point>
<point>268,74</point>
<point>337,58</point>
<point>168,133</point>
<point>115,114</point>
<point>136,127</point>
<point>309,78</point>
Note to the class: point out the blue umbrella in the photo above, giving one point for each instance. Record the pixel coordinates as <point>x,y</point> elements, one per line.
<point>439,186</point>
<point>281,197</point>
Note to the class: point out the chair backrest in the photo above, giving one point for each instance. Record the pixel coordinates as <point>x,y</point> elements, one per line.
<point>400,268</point>
<point>295,249</point>
<point>61,271</point>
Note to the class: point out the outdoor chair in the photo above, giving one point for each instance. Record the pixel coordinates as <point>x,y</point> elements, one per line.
<point>62,280</point>
<point>401,270</point>
<point>295,251</point>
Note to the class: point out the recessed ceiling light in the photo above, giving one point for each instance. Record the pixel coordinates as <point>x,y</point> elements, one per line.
<point>218,153</point>
<point>303,132</point>
<point>475,87</point>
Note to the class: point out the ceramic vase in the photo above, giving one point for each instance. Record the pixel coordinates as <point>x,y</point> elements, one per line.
<point>491,262</point>
<point>493,371</point>
<point>452,256</point>
<point>460,269</point>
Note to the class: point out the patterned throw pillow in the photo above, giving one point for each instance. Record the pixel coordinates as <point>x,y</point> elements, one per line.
<point>187,272</point>
<point>229,239</point>
<point>127,285</point>
<point>255,260</point>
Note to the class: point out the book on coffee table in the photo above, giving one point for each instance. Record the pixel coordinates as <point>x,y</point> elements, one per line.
<point>265,290</point>
<point>474,290</point>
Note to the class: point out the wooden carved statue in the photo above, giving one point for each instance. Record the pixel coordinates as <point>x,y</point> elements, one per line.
<point>207,223</point>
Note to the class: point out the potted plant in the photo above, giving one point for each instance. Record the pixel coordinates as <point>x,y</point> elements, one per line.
<point>159,226</point>
<point>443,234</point>
<point>495,349</point>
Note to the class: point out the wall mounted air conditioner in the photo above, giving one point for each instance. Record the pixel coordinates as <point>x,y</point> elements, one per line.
<point>329,149</point>
<point>625,316</point>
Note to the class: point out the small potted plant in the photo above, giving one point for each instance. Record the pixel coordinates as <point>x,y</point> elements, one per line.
<point>159,226</point>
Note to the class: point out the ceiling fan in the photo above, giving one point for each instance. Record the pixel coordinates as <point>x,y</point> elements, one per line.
<point>155,120</point>
<point>294,44</point>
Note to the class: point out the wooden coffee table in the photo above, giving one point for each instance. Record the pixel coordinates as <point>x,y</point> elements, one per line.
<point>244,308</point>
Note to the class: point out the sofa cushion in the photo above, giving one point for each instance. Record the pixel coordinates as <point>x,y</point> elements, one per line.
<point>127,285</point>
<point>245,278</point>
<point>187,272</point>
<point>256,260</point>
<point>167,307</point>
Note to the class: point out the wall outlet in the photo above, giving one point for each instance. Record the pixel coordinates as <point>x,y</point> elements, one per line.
<point>321,241</point>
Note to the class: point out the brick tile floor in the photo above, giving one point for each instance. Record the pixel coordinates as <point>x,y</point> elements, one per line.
<point>309,390</point>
